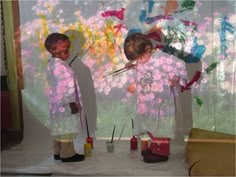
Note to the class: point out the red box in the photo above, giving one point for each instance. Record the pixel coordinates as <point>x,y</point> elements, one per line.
<point>160,146</point>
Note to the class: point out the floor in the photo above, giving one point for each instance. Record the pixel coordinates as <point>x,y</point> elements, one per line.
<point>33,157</point>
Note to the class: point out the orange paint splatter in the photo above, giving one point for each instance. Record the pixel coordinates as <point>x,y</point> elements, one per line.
<point>131,88</point>
<point>171,5</point>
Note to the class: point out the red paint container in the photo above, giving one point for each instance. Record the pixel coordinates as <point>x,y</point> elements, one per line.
<point>90,141</point>
<point>133,143</point>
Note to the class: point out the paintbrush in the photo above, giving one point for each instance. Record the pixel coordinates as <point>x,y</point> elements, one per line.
<point>127,67</point>
<point>121,132</point>
<point>132,124</point>
<point>82,54</point>
<point>88,139</point>
<point>116,72</point>
<point>87,126</point>
<point>113,134</point>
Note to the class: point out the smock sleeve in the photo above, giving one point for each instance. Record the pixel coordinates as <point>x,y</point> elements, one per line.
<point>64,84</point>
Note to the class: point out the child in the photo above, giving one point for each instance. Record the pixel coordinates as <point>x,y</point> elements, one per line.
<point>158,77</point>
<point>84,77</point>
<point>64,105</point>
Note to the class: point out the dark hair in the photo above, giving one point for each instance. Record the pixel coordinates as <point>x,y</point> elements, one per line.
<point>135,45</point>
<point>53,38</point>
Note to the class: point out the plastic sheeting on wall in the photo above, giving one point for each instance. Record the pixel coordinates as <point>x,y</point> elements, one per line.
<point>204,29</point>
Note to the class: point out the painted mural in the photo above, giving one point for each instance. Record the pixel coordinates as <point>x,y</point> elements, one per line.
<point>196,32</point>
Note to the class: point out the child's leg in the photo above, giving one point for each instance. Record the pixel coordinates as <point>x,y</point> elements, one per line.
<point>67,150</point>
<point>56,148</point>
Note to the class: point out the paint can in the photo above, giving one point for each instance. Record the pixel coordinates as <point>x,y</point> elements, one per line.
<point>87,149</point>
<point>90,140</point>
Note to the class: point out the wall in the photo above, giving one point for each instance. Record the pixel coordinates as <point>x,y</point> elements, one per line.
<point>105,24</point>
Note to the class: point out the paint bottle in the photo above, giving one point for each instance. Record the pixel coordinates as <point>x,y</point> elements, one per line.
<point>90,140</point>
<point>133,143</point>
<point>87,149</point>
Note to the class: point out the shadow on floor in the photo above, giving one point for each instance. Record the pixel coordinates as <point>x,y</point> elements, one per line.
<point>10,138</point>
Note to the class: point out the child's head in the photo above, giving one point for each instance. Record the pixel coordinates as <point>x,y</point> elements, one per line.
<point>58,45</point>
<point>136,45</point>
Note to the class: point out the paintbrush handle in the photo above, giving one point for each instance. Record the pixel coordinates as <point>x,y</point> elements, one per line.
<point>113,134</point>
<point>117,71</point>
<point>122,131</point>
<point>87,126</point>
<point>127,67</point>
<point>132,124</point>
<point>82,55</point>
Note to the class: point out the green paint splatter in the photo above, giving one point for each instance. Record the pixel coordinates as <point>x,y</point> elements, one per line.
<point>188,4</point>
<point>198,100</point>
<point>211,67</point>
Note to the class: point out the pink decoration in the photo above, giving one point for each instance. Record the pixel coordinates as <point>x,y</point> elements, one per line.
<point>188,23</point>
<point>119,27</point>
<point>118,14</point>
<point>194,79</point>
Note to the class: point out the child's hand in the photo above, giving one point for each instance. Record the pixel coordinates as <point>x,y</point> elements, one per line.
<point>74,108</point>
<point>174,81</point>
<point>130,65</point>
